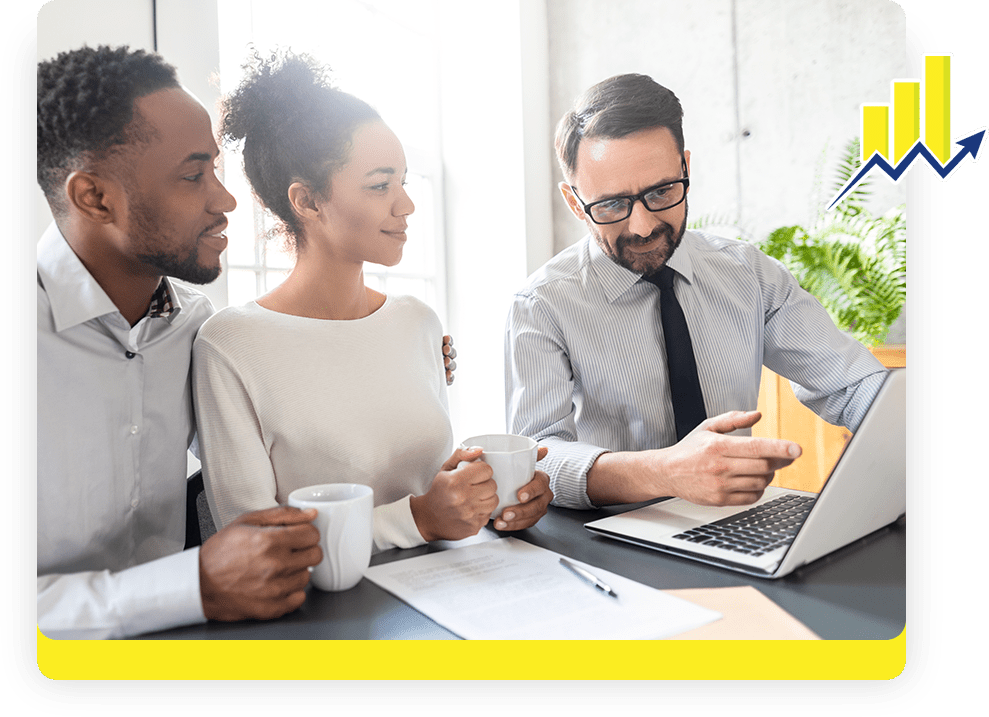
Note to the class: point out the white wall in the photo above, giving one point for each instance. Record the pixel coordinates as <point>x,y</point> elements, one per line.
<point>791,74</point>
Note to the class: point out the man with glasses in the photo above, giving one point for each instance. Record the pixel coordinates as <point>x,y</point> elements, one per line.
<point>634,353</point>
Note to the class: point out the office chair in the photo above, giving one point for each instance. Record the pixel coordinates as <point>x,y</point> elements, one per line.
<point>199,525</point>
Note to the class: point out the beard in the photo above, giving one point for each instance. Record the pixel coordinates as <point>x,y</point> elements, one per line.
<point>182,265</point>
<point>185,269</point>
<point>648,262</point>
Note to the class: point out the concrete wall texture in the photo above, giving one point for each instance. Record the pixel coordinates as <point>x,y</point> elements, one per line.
<point>765,85</point>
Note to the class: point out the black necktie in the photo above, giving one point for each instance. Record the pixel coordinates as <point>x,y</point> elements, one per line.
<point>685,388</point>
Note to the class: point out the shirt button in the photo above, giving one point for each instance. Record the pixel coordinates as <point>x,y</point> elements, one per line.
<point>133,503</point>
<point>130,354</point>
<point>134,430</point>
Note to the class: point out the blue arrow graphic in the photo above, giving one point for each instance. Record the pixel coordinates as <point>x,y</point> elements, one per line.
<point>970,145</point>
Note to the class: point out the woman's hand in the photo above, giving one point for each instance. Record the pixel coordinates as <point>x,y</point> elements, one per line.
<point>459,500</point>
<point>449,353</point>
<point>534,498</point>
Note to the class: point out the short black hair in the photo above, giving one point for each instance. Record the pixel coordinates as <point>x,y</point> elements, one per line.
<point>295,125</point>
<point>86,105</point>
<point>616,108</point>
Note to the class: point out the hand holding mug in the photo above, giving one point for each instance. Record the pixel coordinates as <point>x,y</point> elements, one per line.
<point>459,500</point>
<point>258,566</point>
<point>533,502</point>
<point>513,460</point>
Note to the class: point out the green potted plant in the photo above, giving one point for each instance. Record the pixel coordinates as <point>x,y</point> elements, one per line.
<point>852,261</point>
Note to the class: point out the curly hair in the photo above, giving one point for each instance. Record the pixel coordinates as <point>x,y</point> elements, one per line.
<point>295,127</point>
<point>86,107</point>
<point>616,108</point>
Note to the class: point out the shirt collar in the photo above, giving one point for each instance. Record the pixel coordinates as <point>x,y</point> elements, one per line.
<point>616,280</point>
<point>162,304</point>
<point>73,294</point>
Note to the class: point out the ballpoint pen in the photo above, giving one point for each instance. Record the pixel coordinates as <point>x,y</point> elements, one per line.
<point>584,575</point>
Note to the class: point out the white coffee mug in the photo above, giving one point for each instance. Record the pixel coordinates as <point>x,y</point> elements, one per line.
<point>513,461</point>
<point>346,533</point>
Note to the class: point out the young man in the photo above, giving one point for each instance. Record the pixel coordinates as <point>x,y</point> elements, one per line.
<point>632,353</point>
<point>126,160</point>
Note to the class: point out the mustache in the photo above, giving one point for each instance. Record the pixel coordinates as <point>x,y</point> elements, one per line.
<point>221,222</point>
<point>637,240</point>
<point>668,230</point>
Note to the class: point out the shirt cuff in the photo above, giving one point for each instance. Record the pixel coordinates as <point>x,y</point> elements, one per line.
<point>157,595</point>
<point>567,464</point>
<point>394,526</point>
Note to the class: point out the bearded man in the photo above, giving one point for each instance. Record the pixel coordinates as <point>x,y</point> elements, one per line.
<point>126,159</point>
<point>635,352</point>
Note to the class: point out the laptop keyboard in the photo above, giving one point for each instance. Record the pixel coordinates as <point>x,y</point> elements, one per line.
<point>756,531</point>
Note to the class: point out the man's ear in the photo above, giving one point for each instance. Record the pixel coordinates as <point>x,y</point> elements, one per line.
<point>92,196</point>
<point>686,160</point>
<point>575,206</point>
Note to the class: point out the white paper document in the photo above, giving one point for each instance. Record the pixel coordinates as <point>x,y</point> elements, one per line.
<point>510,590</point>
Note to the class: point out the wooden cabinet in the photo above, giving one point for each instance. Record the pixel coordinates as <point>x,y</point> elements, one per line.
<point>783,416</point>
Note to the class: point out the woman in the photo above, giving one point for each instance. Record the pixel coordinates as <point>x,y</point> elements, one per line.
<point>324,379</point>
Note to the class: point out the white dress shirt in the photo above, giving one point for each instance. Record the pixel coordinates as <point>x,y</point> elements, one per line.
<point>114,424</point>
<point>585,362</point>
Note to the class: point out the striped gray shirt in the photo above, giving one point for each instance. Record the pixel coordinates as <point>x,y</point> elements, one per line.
<point>585,367</point>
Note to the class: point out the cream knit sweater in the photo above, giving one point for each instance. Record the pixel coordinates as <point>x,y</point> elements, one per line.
<point>285,401</point>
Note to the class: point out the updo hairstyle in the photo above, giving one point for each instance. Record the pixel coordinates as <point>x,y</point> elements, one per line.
<point>295,127</point>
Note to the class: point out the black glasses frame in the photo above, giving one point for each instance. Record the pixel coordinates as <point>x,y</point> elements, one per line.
<point>685,181</point>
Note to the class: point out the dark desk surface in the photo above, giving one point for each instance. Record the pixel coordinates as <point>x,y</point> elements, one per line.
<point>858,592</point>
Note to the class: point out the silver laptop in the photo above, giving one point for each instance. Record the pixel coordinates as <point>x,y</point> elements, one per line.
<point>786,528</point>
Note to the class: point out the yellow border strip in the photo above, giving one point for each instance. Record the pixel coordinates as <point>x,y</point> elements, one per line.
<point>458,660</point>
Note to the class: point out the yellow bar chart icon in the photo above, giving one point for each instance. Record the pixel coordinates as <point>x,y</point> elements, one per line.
<point>916,124</point>
<point>937,106</point>
<point>905,118</point>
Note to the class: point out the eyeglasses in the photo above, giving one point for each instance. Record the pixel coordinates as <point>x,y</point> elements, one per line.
<point>656,199</point>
